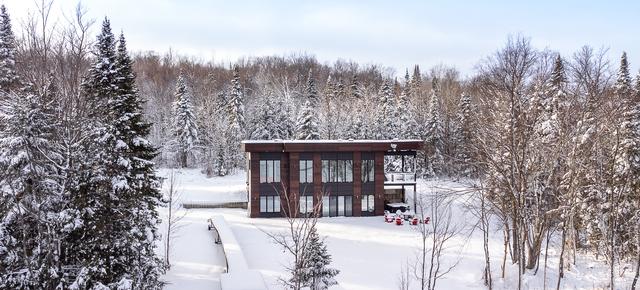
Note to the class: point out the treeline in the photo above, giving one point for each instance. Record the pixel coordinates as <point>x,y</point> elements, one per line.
<point>296,97</point>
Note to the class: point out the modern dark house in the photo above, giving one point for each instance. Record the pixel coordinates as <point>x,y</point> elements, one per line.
<point>348,177</point>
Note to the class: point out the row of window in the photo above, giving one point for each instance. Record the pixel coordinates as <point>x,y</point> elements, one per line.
<point>269,171</point>
<point>270,203</point>
<point>337,171</point>
<point>332,171</point>
<point>339,205</point>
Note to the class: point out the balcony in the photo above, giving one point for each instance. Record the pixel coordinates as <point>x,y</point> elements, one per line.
<point>400,178</point>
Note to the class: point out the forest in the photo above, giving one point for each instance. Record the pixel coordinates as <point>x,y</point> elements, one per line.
<point>552,142</point>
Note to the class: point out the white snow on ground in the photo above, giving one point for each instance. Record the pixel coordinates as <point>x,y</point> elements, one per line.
<point>368,252</point>
<point>196,187</point>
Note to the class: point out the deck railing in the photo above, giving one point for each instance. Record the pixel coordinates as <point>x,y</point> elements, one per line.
<point>400,177</point>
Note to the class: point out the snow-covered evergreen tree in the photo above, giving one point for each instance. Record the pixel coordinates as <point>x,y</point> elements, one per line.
<point>307,127</point>
<point>434,135</point>
<point>138,171</point>
<point>316,274</point>
<point>8,76</point>
<point>117,191</point>
<point>408,124</point>
<point>184,126</point>
<point>271,121</point>
<point>387,125</point>
<point>623,200</point>
<point>235,132</point>
<point>33,204</point>
<point>464,137</point>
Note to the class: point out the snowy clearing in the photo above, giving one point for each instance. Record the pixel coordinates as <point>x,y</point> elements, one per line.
<point>368,252</point>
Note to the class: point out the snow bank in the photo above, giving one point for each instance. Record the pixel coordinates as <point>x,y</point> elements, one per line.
<point>238,276</point>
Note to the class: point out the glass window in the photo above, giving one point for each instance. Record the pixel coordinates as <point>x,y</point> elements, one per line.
<point>349,170</point>
<point>367,170</point>
<point>340,205</point>
<point>276,170</point>
<point>276,204</point>
<point>263,171</point>
<point>269,171</point>
<point>333,168</point>
<point>263,204</point>
<point>310,171</point>
<point>306,204</point>
<point>333,205</point>
<point>348,204</point>
<point>367,203</point>
<point>270,203</point>
<point>306,171</point>
<point>325,206</point>
<point>325,170</point>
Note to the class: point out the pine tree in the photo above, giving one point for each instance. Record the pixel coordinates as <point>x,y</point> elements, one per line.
<point>307,126</point>
<point>408,124</point>
<point>185,126</point>
<point>8,76</point>
<point>434,138</point>
<point>316,275</point>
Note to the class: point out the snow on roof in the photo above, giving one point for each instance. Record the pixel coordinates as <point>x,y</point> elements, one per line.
<point>330,141</point>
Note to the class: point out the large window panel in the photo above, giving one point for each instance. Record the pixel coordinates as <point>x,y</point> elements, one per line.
<point>276,170</point>
<point>269,171</point>
<point>349,170</point>
<point>263,204</point>
<point>263,171</point>
<point>367,171</point>
<point>276,204</point>
<point>306,171</point>
<point>325,171</point>
<point>325,206</point>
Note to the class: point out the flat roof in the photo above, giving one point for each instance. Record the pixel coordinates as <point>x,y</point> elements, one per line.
<point>340,145</point>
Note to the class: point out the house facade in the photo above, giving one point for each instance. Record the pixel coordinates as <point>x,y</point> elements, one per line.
<point>336,177</point>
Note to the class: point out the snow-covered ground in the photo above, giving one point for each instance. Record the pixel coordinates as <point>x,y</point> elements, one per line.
<point>368,252</point>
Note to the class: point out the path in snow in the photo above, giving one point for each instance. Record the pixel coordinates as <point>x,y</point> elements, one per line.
<point>196,261</point>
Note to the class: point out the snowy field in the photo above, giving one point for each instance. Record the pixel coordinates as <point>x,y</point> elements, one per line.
<point>368,252</point>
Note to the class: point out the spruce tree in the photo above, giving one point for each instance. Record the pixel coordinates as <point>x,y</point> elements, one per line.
<point>623,200</point>
<point>235,132</point>
<point>271,121</point>
<point>307,127</point>
<point>464,137</point>
<point>434,138</point>
<point>8,76</point>
<point>185,126</point>
<point>408,124</point>
<point>117,192</point>
<point>387,126</point>
<point>143,186</point>
<point>316,273</point>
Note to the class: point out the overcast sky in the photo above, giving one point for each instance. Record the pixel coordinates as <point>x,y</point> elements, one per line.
<point>391,33</point>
